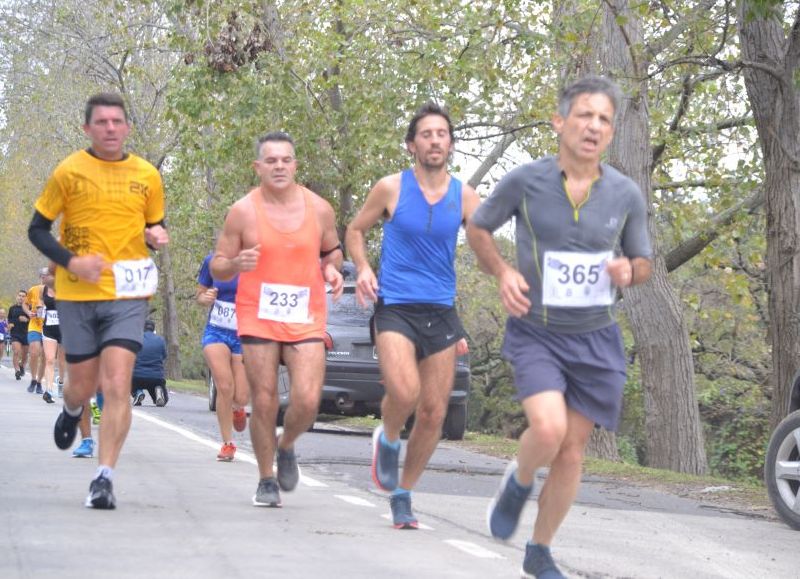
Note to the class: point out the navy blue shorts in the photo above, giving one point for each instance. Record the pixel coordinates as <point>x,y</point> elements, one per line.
<point>588,368</point>
<point>215,335</point>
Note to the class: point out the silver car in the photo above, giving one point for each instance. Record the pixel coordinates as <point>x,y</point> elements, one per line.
<point>782,469</point>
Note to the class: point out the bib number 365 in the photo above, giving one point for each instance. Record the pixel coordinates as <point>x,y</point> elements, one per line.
<point>576,280</point>
<point>135,278</point>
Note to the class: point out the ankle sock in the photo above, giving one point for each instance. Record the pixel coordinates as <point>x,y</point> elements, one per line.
<point>104,471</point>
<point>384,440</point>
<point>400,492</point>
<point>519,486</point>
<point>73,412</point>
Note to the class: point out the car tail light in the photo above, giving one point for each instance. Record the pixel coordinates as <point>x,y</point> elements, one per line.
<point>328,341</point>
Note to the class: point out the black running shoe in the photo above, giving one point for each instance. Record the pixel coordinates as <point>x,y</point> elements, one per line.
<point>17,375</point>
<point>47,397</point>
<point>101,494</point>
<point>65,429</point>
<point>39,389</point>
<point>32,386</point>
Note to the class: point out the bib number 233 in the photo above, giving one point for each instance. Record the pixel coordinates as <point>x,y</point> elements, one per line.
<point>135,278</point>
<point>284,303</point>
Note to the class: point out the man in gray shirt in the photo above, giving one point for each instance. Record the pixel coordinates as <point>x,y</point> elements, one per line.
<point>581,234</point>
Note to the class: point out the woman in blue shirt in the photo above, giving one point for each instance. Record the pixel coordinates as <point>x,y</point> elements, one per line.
<point>223,353</point>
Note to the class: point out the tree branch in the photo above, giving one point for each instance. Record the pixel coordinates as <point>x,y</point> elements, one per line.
<point>686,250</point>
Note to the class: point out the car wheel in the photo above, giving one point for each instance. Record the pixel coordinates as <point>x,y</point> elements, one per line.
<point>455,423</point>
<point>782,470</point>
<point>212,393</point>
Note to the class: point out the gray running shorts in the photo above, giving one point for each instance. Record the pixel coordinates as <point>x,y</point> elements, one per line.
<point>588,368</point>
<point>430,327</point>
<point>87,327</point>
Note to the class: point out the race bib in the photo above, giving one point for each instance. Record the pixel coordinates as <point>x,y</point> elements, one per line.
<point>284,303</point>
<point>40,311</point>
<point>135,278</point>
<point>223,315</point>
<point>576,280</point>
<point>51,318</point>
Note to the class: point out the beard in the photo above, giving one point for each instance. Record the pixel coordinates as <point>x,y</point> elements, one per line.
<point>429,164</point>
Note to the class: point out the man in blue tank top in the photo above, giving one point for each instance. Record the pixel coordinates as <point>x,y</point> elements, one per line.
<point>581,234</point>
<point>417,331</point>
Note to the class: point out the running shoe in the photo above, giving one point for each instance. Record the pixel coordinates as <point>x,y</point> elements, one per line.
<point>101,494</point>
<point>18,375</point>
<point>226,452</point>
<point>539,564</point>
<point>161,397</point>
<point>32,386</point>
<point>85,449</point>
<point>385,459</point>
<point>504,511</point>
<point>65,428</point>
<point>95,412</point>
<point>288,471</point>
<point>39,389</point>
<point>267,493</point>
<point>402,516</point>
<point>239,419</point>
<point>138,398</point>
<point>47,397</point>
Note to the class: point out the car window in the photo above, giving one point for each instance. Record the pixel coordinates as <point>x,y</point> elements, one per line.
<point>347,312</point>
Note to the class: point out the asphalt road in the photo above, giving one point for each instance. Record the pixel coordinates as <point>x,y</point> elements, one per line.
<point>182,514</point>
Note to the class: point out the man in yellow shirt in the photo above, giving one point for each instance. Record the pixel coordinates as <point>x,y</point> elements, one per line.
<point>33,307</point>
<point>111,205</point>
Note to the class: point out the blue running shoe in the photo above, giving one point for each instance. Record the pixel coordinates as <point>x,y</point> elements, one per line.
<point>138,398</point>
<point>65,428</point>
<point>506,507</point>
<point>85,450</point>
<point>539,564</point>
<point>402,516</point>
<point>385,459</point>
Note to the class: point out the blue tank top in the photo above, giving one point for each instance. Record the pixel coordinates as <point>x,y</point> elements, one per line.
<point>226,290</point>
<point>419,246</point>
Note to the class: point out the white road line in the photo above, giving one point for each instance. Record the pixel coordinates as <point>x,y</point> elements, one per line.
<point>240,454</point>
<point>473,549</point>
<point>423,526</point>
<point>358,501</point>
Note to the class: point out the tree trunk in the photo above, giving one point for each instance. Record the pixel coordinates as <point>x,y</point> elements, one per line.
<point>170,317</point>
<point>603,444</point>
<point>672,417</point>
<point>772,87</point>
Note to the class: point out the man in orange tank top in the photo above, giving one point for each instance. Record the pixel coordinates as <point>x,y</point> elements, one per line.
<point>281,239</point>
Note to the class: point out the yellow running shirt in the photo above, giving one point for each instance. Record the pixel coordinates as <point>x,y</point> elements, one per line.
<point>104,207</point>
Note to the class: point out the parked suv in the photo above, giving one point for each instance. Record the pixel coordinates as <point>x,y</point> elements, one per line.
<point>782,469</point>
<point>353,384</point>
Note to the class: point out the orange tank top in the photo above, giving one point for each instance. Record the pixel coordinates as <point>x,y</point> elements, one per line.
<point>283,298</point>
